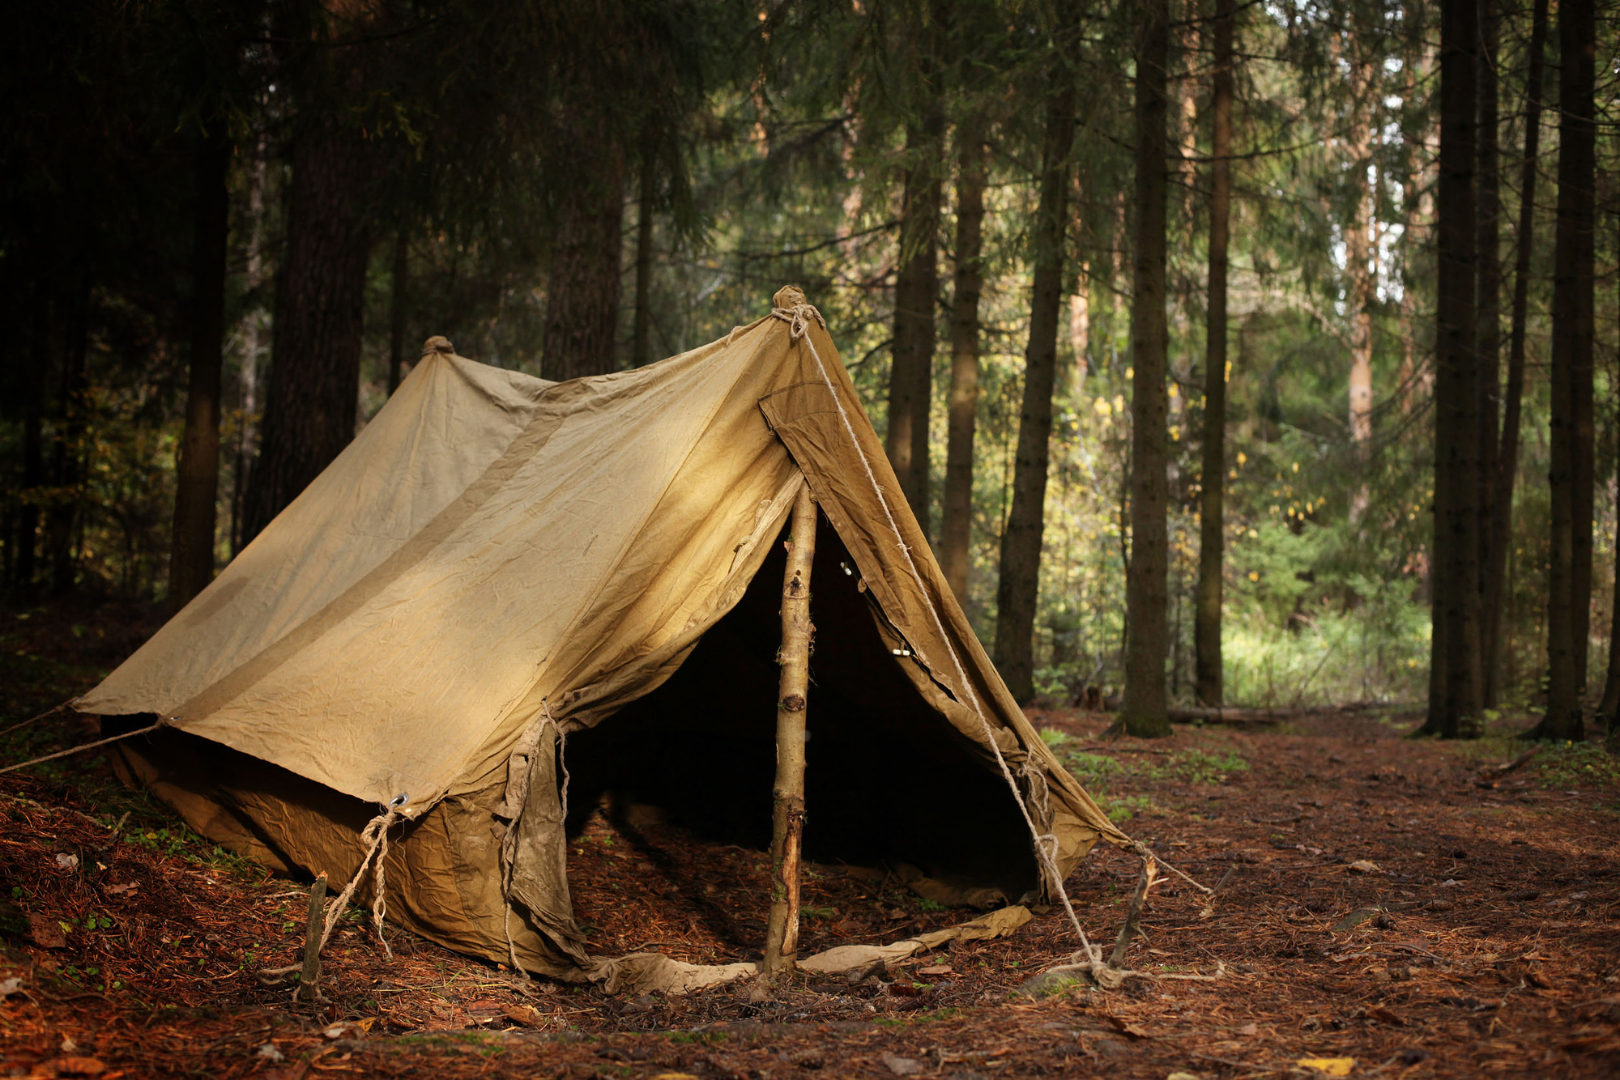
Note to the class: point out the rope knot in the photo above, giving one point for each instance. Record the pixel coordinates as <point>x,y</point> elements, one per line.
<point>437,344</point>
<point>792,308</point>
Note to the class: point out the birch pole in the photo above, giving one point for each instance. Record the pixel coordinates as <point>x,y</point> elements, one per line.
<point>787,819</point>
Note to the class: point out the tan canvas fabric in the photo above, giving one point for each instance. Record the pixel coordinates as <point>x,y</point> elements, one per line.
<point>495,553</point>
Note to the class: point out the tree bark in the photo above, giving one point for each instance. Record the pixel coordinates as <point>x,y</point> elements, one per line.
<point>1212,517</point>
<point>1488,313</point>
<point>787,819</point>
<point>1507,454</point>
<point>196,497</point>
<point>957,526</point>
<point>1454,654</point>
<point>68,468</point>
<point>641,335</point>
<point>1359,270</point>
<point>1569,569</point>
<point>1144,711</point>
<point>399,288</point>
<point>1018,584</point>
<point>916,294</point>
<point>585,287</point>
<point>314,383</point>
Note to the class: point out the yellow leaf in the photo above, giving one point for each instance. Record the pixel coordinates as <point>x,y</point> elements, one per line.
<point>1254,575</point>
<point>1329,1066</point>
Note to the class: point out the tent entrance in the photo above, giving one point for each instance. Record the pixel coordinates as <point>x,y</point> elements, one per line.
<point>888,783</point>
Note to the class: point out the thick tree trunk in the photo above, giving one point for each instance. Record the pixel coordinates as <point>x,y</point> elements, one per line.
<point>1488,313</point>
<point>1018,584</point>
<point>191,551</point>
<point>585,286</point>
<point>1359,273</point>
<point>1145,707</point>
<point>916,294</point>
<point>399,289</point>
<point>1212,517</point>
<point>314,382</point>
<point>641,335</point>
<point>1507,454</point>
<point>1454,658</point>
<point>793,688</point>
<point>957,526</point>
<point>1570,477</point>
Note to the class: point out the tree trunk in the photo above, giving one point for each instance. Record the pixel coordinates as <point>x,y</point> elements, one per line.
<point>248,379</point>
<point>399,288</point>
<point>1018,584</point>
<point>1212,518</point>
<point>1454,655</point>
<point>68,466</point>
<point>787,819</point>
<point>956,529</point>
<point>1507,454</point>
<point>196,496</point>
<point>1359,272</point>
<point>1488,313</point>
<point>25,563</point>
<point>1569,570</point>
<point>916,294</point>
<point>314,383</point>
<point>1144,711</point>
<point>641,337</point>
<point>585,286</point>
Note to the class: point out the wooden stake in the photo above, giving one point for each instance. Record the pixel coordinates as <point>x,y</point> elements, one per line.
<point>787,820</point>
<point>309,980</point>
<point>1133,920</point>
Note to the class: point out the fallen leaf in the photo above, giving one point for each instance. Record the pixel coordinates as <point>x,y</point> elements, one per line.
<point>1328,1066</point>
<point>67,862</point>
<point>902,1066</point>
<point>9,987</point>
<point>270,1052</point>
<point>1248,1029</point>
<point>1383,1015</point>
<point>1183,1076</point>
<point>1360,866</point>
<point>46,932</point>
<point>935,969</point>
<point>1124,1027</point>
<point>74,1066</point>
<point>119,890</point>
<point>527,1015</point>
<point>675,1076</point>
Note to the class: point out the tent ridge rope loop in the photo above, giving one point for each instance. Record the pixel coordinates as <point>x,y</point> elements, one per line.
<point>799,317</point>
<point>375,836</point>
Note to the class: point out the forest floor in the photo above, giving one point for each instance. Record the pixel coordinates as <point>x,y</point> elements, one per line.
<point>1384,912</point>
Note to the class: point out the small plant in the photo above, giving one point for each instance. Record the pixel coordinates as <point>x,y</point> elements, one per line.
<point>1127,807</point>
<point>1203,767</point>
<point>926,904</point>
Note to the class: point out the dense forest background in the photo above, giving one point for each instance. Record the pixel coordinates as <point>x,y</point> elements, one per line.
<point>1064,248</point>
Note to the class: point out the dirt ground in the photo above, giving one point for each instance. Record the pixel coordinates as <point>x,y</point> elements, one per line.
<point>1381,911</point>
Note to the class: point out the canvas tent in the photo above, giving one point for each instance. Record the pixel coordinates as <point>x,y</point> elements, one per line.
<point>501,573</point>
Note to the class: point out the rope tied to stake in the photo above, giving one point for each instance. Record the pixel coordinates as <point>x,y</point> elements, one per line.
<point>375,837</point>
<point>162,722</point>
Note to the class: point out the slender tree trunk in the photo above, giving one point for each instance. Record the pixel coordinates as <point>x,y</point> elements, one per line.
<point>1507,456</point>
<point>248,379</point>
<point>1569,571</point>
<point>957,526</point>
<point>1359,272</point>
<point>1609,710</point>
<point>1454,702</point>
<point>916,294</point>
<point>787,819</point>
<point>1018,584</point>
<point>585,287</point>
<point>314,383</point>
<point>196,498</point>
<point>68,466</point>
<point>1145,708</point>
<point>641,337</point>
<point>399,290</point>
<point>1212,517</point>
<point>24,567</point>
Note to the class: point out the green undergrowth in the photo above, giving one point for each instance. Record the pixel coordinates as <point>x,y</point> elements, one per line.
<point>1556,766</point>
<point>1111,778</point>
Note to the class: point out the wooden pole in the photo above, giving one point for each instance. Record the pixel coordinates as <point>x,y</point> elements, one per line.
<point>309,980</point>
<point>787,820</point>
